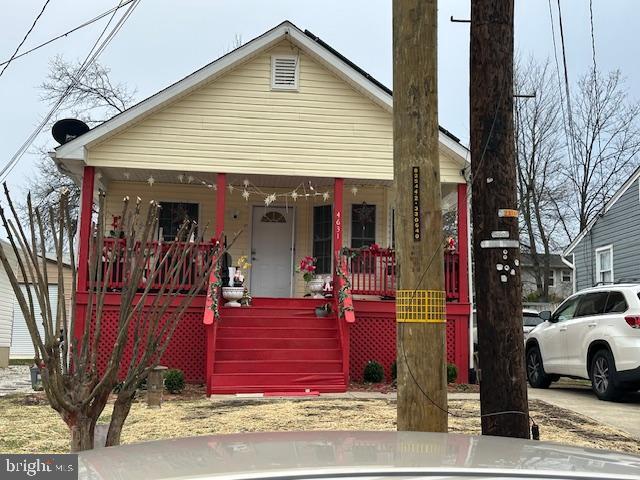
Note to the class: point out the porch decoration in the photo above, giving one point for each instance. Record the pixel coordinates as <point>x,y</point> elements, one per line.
<point>323,310</point>
<point>215,296</point>
<point>232,295</point>
<point>344,289</point>
<point>314,284</point>
<point>236,289</point>
<point>151,180</point>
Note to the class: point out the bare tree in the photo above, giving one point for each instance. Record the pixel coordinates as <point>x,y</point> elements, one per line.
<point>93,99</point>
<point>604,141</point>
<point>539,153</point>
<point>153,300</point>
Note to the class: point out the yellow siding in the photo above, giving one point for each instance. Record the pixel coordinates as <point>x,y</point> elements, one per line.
<point>237,206</point>
<point>236,124</point>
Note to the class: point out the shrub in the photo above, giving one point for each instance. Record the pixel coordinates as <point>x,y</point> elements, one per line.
<point>174,381</point>
<point>394,371</point>
<point>452,373</point>
<point>373,372</point>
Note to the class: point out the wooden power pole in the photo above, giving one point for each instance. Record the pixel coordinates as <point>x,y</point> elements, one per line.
<point>420,302</point>
<point>498,288</point>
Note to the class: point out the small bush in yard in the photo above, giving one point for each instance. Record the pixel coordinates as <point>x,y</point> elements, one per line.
<point>452,373</point>
<point>394,371</point>
<point>174,381</point>
<point>373,372</point>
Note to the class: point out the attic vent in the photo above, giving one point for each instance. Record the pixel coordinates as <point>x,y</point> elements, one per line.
<point>284,72</point>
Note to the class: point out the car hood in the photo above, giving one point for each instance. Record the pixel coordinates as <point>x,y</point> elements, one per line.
<point>342,454</point>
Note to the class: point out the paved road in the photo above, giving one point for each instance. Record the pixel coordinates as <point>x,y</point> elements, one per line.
<point>15,379</point>
<point>624,415</point>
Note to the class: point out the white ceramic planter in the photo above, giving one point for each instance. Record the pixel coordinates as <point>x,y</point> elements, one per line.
<point>315,287</point>
<point>232,295</point>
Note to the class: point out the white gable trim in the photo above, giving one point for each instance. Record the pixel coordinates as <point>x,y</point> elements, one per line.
<point>76,149</point>
<point>634,176</point>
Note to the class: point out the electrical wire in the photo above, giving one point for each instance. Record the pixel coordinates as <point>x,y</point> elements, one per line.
<point>90,58</point>
<point>572,154</point>
<point>24,39</point>
<point>68,32</point>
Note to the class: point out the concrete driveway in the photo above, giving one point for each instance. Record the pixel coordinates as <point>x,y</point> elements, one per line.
<point>624,415</point>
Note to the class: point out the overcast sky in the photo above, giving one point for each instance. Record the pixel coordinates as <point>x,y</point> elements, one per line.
<point>164,40</point>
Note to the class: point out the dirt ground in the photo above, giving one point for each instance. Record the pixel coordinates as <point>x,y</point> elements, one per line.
<point>28,425</point>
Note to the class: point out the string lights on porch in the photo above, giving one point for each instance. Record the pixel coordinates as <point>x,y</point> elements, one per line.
<point>249,190</point>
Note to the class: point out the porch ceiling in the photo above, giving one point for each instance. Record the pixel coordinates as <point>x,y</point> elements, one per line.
<point>275,181</point>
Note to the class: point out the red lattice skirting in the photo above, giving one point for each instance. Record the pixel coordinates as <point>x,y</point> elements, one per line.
<point>186,350</point>
<point>373,337</point>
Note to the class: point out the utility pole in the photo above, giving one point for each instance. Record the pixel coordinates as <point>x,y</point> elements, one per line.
<point>420,299</point>
<point>495,222</point>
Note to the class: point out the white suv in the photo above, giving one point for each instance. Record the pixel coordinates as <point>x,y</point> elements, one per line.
<point>594,334</point>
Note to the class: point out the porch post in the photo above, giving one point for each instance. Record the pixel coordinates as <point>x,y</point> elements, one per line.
<point>463,351</point>
<point>209,320</point>
<point>338,195</point>
<point>221,191</point>
<point>84,239</point>
<point>463,246</point>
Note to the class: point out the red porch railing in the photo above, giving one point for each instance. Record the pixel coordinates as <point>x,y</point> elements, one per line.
<point>187,275</point>
<point>373,272</point>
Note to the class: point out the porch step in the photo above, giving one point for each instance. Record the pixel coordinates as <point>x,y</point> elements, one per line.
<point>235,343</point>
<point>288,303</point>
<point>278,354</point>
<point>270,382</point>
<point>309,367</point>
<point>278,321</point>
<point>294,331</point>
<point>289,389</point>
<point>277,345</point>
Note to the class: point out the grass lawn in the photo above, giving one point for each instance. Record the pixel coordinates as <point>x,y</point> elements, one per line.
<point>28,425</point>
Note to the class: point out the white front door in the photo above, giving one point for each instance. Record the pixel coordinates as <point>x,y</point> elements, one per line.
<point>272,251</point>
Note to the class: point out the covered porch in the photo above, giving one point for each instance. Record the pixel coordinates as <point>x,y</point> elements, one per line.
<point>280,220</point>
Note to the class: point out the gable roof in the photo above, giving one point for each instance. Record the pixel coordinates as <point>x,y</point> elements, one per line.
<point>555,260</point>
<point>607,206</point>
<point>313,45</point>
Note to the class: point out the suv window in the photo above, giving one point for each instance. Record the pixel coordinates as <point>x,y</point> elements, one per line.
<point>531,319</point>
<point>616,303</point>
<point>592,304</point>
<point>566,310</point>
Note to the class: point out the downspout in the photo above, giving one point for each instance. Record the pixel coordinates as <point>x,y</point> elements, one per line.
<point>573,271</point>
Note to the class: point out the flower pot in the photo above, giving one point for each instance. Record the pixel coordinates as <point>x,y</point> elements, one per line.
<point>321,312</point>
<point>315,287</point>
<point>232,295</point>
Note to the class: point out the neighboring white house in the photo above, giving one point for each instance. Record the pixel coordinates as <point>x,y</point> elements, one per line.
<point>6,308</point>
<point>560,277</point>
<point>15,342</point>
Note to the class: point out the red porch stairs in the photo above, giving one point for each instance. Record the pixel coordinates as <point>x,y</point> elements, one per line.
<point>278,345</point>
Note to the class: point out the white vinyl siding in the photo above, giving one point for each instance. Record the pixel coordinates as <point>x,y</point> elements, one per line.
<point>604,264</point>
<point>21,345</point>
<point>6,300</point>
<point>238,124</point>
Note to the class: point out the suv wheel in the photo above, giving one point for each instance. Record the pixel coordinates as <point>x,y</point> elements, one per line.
<point>603,376</point>
<point>536,375</point>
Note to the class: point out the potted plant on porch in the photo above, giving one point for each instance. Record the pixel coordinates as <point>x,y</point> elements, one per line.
<point>236,289</point>
<point>315,284</point>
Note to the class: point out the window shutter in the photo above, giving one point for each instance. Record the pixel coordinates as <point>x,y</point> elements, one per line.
<point>284,72</point>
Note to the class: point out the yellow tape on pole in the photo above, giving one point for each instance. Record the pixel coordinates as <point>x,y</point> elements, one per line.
<point>421,306</point>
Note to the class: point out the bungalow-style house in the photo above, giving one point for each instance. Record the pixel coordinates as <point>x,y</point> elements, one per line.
<point>560,276</point>
<point>292,141</point>
<point>608,250</point>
